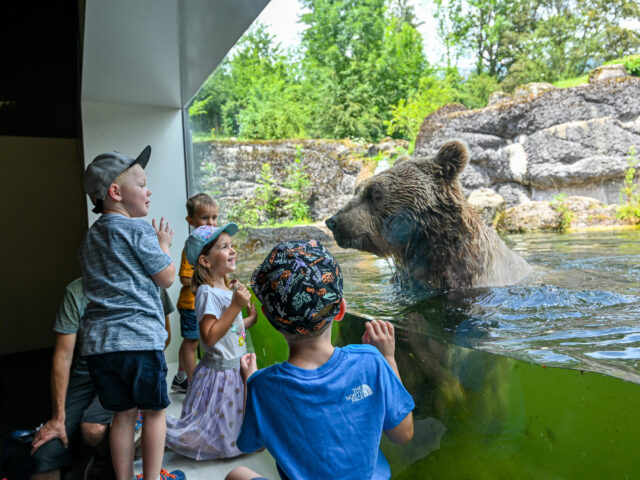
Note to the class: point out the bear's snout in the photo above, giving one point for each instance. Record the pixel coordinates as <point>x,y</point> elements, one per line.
<point>331,223</point>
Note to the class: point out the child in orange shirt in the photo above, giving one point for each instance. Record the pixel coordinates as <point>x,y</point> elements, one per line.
<point>201,210</point>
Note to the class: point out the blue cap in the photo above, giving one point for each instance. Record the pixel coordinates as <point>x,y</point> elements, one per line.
<point>202,236</point>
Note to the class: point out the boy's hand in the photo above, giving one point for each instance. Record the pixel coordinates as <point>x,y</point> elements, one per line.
<point>248,366</point>
<point>241,294</point>
<point>164,232</point>
<point>381,336</point>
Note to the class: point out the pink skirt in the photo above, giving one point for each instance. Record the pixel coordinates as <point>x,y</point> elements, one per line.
<point>211,415</point>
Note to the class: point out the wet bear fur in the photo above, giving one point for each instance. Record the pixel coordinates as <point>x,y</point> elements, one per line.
<point>416,213</point>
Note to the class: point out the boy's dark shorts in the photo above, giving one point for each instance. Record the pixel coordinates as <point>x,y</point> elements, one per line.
<point>125,380</point>
<point>188,324</point>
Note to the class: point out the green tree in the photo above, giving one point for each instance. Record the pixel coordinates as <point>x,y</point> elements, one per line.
<point>254,93</point>
<point>407,115</point>
<point>538,40</point>
<point>360,59</point>
<point>478,28</point>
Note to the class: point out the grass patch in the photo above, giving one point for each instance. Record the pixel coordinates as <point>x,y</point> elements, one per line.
<point>287,223</point>
<point>572,82</point>
<point>584,79</point>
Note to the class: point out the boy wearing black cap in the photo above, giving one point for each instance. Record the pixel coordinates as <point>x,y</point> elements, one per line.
<point>124,263</point>
<point>321,414</point>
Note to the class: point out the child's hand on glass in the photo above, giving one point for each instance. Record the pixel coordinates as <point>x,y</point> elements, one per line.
<point>380,335</point>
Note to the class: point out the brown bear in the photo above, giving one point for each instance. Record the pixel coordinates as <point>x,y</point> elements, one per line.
<point>416,213</point>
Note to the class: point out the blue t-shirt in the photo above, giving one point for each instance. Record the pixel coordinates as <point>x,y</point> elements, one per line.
<point>327,422</point>
<point>124,313</point>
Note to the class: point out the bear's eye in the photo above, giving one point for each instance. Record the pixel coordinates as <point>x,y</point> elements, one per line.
<point>377,197</point>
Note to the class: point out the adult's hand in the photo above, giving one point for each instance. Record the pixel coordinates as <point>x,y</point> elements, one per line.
<point>50,430</point>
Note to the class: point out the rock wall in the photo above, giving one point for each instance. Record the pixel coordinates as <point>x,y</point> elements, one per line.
<point>230,170</point>
<point>573,141</point>
<point>541,142</point>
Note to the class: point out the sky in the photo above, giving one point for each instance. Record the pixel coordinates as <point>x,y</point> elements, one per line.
<point>281,17</point>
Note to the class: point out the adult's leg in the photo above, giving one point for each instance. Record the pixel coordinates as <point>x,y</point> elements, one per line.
<point>94,426</point>
<point>242,473</point>
<point>52,456</point>
<point>48,475</point>
<point>154,431</point>
<point>95,421</point>
<point>100,465</point>
<point>93,433</point>
<point>121,440</point>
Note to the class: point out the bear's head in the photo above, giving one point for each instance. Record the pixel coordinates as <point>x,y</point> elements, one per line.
<point>416,201</point>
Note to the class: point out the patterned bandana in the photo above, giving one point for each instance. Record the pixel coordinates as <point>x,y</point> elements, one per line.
<point>300,287</point>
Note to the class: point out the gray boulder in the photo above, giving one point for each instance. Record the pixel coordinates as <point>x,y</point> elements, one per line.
<point>498,97</point>
<point>574,141</point>
<point>487,204</point>
<point>231,170</point>
<point>529,217</point>
<point>607,72</point>
<point>533,88</point>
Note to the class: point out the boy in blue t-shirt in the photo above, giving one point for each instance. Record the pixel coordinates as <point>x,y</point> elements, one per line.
<point>321,414</point>
<point>124,263</point>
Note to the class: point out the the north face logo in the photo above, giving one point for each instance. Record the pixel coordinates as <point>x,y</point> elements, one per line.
<point>360,392</point>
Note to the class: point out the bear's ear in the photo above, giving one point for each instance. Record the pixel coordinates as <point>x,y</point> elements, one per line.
<point>452,158</point>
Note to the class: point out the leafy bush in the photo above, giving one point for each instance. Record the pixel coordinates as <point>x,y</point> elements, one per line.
<point>566,216</point>
<point>244,213</point>
<point>271,204</point>
<point>298,183</point>
<point>630,208</point>
<point>262,206</point>
<point>632,65</point>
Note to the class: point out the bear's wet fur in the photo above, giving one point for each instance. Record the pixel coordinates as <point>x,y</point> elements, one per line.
<point>416,212</point>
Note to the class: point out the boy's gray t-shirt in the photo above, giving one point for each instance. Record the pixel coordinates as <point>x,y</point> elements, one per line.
<point>118,257</point>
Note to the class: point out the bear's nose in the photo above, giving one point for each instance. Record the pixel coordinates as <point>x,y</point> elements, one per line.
<point>331,223</point>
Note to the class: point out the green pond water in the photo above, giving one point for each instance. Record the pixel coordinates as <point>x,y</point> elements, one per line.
<point>534,381</point>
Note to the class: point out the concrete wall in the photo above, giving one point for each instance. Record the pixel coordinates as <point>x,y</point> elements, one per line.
<point>142,62</point>
<point>43,221</point>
